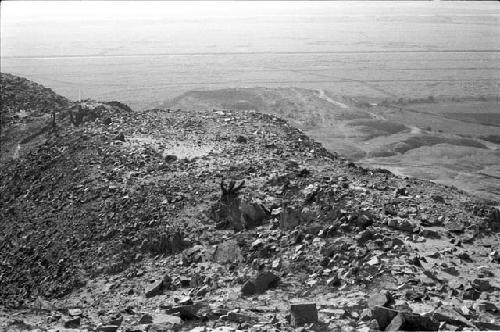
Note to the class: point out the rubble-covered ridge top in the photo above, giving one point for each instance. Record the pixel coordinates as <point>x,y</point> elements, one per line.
<point>30,110</point>
<point>164,220</point>
<point>22,97</point>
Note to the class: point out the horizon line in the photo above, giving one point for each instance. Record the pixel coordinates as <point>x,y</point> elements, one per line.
<point>244,53</point>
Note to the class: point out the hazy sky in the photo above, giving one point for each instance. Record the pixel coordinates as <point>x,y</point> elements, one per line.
<point>21,11</point>
<point>55,28</point>
<point>18,11</point>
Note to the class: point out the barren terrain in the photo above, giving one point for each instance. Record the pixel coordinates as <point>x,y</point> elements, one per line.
<point>445,140</point>
<point>220,220</point>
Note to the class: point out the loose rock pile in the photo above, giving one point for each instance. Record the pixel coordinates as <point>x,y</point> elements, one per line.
<point>140,221</point>
<point>24,98</point>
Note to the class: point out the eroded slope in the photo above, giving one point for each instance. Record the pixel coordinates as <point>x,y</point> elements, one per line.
<point>392,134</point>
<point>122,223</point>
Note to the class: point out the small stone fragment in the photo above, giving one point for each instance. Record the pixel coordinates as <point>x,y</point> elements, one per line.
<point>166,319</point>
<point>383,316</point>
<point>72,323</point>
<point>303,313</point>
<point>260,284</point>
<point>238,317</point>
<point>430,234</point>
<point>155,289</point>
<point>449,315</point>
<point>485,306</point>
<point>264,281</point>
<point>120,137</point>
<point>438,199</point>
<point>75,312</point>
<point>400,192</point>
<point>333,282</point>
<point>158,287</point>
<point>373,261</point>
<point>146,319</point>
<point>228,252</point>
<point>107,328</point>
<point>185,300</point>
<point>170,158</point>
<point>482,285</point>
<point>248,288</point>
<point>380,299</point>
<point>411,322</point>
<point>241,139</point>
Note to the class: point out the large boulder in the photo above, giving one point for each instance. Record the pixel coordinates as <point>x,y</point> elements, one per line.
<point>260,284</point>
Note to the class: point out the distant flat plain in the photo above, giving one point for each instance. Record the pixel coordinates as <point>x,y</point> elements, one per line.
<point>379,49</point>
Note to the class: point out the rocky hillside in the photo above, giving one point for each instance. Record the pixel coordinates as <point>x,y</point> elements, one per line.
<point>22,98</point>
<point>25,114</point>
<point>448,142</point>
<point>162,220</point>
<point>29,111</point>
